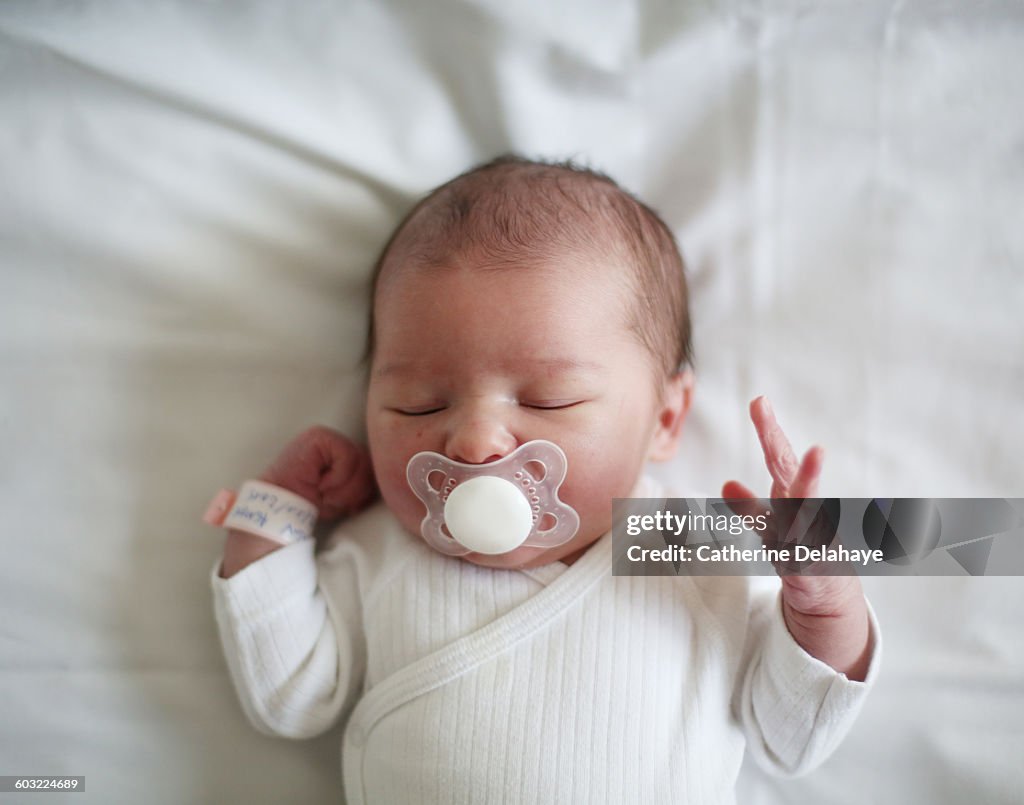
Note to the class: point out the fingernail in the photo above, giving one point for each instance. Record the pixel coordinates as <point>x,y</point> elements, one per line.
<point>219,507</point>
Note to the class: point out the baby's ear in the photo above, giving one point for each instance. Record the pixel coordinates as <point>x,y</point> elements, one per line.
<point>675,405</point>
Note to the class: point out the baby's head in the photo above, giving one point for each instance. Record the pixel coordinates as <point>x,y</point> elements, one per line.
<point>525,301</point>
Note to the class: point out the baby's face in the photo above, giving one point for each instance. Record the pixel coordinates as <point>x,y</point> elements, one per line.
<point>473,363</point>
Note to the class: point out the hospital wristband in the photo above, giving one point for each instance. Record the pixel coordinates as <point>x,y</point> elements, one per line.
<point>265,510</point>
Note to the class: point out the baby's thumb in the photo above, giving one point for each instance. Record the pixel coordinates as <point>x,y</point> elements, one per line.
<point>348,485</point>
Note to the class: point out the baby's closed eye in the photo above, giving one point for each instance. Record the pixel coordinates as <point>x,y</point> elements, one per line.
<point>419,410</point>
<point>551,405</point>
<point>535,404</point>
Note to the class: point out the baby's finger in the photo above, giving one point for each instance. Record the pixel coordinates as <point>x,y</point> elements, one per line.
<point>805,485</point>
<point>778,453</point>
<point>303,461</point>
<point>348,485</point>
<point>742,500</point>
<point>734,490</point>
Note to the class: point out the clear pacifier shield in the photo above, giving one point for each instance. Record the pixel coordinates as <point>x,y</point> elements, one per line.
<point>513,502</point>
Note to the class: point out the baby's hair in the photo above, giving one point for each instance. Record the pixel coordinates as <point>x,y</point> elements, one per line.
<point>514,210</point>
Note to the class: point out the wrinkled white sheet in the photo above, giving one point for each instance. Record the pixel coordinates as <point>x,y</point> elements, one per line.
<point>190,200</point>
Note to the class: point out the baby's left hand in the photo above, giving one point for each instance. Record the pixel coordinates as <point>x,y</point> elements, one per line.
<point>827,615</point>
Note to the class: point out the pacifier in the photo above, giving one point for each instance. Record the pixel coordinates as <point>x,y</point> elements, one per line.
<point>494,508</point>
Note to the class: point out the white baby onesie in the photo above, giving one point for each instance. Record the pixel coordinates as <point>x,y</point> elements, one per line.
<point>557,684</point>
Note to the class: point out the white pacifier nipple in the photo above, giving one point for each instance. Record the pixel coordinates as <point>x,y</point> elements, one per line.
<point>493,508</point>
<point>488,515</point>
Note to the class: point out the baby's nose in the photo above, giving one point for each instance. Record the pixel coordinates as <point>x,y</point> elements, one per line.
<point>479,439</point>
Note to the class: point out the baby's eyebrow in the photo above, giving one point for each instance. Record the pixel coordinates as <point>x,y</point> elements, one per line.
<point>568,364</point>
<point>550,364</point>
<point>393,368</point>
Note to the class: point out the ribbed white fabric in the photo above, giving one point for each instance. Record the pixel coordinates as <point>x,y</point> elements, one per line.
<point>558,684</point>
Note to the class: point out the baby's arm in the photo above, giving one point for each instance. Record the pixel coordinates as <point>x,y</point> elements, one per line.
<point>296,654</point>
<point>819,646</point>
<point>320,465</point>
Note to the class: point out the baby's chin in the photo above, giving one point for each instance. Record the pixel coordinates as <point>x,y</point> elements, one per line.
<point>519,558</point>
<point>527,557</point>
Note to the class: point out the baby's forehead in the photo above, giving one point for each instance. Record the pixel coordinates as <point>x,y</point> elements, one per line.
<point>562,273</point>
<point>561,314</point>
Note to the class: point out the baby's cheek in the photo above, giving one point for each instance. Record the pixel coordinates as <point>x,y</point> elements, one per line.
<point>594,479</point>
<point>590,494</point>
<point>400,499</point>
<point>390,473</point>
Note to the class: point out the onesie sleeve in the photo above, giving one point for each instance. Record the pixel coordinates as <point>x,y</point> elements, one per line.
<point>296,659</point>
<point>796,709</point>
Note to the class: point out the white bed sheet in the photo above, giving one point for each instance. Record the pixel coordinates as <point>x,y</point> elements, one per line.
<point>192,196</point>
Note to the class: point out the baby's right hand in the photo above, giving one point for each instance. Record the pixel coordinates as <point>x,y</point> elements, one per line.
<point>327,469</point>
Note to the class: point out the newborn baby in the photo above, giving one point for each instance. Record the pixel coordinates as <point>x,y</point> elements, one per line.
<point>525,302</point>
